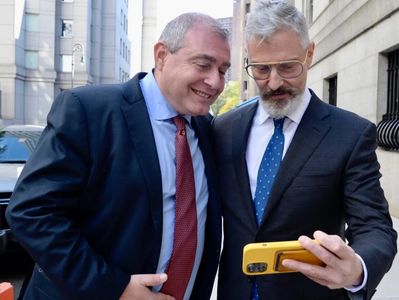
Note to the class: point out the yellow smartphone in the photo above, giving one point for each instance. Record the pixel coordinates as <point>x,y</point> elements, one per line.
<point>266,258</point>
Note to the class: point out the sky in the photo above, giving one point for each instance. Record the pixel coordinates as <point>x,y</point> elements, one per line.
<point>167,10</point>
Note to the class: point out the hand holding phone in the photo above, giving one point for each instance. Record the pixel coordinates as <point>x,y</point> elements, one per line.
<point>266,258</point>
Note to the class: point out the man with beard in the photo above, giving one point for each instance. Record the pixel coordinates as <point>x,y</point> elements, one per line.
<point>322,184</point>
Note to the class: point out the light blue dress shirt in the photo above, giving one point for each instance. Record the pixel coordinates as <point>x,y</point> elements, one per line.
<point>161,114</point>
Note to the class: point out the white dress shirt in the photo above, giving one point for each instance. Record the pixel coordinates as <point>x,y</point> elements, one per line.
<point>262,131</point>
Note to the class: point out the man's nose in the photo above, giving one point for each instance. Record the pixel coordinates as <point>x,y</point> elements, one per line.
<point>275,81</point>
<point>213,79</point>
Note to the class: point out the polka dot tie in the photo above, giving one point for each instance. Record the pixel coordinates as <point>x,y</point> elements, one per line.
<point>267,172</point>
<point>268,169</point>
<point>185,231</point>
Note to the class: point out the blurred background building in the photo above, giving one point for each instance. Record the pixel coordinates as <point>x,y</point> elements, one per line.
<point>51,45</point>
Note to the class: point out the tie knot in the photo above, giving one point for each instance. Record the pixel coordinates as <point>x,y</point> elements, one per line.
<point>278,123</point>
<point>179,122</point>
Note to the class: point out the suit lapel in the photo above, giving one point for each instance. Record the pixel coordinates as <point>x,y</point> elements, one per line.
<point>202,128</point>
<point>310,132</point>
<point>240,133</point>
<point>142,137</point>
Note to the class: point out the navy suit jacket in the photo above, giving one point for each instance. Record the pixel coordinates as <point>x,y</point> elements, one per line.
<point>88,204</point>
<point>328,177</point>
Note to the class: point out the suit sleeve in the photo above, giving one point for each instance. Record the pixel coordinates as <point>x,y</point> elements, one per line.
<point>43,211</point>
<point>369,230</point>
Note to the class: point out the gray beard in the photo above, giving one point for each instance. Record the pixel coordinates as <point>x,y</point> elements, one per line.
<point>281,108</point>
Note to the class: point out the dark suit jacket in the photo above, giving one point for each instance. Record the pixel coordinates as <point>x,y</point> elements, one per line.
<point>88,204</point>
<point>329,176</point>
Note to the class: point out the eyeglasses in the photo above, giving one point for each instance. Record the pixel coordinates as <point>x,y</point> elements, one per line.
<point>285,69</point>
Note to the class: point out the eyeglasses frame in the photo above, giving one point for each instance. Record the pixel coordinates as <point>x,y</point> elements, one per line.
<point>247,65</point>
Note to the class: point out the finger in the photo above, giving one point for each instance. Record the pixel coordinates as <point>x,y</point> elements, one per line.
<point>161,296</point>
<point>150,295</point>
<point>150,279</point>
<point>318,250</point>
<point>323,282</point>
<point>333,243</point>
<point>316,273</point>
<point>305,268</point>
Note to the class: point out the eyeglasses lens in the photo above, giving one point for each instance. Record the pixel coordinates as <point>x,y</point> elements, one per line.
<point>285,70</point>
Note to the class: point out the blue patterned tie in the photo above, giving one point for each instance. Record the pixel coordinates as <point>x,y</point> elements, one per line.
<point>268,169</point>
<point>267,172</point>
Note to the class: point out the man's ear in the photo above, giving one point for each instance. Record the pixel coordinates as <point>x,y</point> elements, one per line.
<point>160,54</point>
<point>310,53</point>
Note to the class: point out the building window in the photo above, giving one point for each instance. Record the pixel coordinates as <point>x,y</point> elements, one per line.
<point>31,22</point>
<point>66,63</point>
<point>31,59</point>
<point>332,90</point>
<point>123,50</point>
<point>388,128</point>
<point>66,28</point>
<point>247,8</point>
<point>310,11</point>
<point>393,85</point>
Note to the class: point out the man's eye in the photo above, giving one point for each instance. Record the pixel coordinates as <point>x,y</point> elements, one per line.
<point>222,72</point>
<point>261,68</point>
<point>287,66</point>
<point>202,66</point>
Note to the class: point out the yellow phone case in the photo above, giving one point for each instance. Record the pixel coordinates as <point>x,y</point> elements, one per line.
<point>266,258</point>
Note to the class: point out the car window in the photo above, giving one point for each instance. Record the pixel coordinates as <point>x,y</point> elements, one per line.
<point>17,146</point>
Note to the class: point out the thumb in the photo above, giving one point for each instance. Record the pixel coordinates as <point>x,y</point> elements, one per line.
<point>150,279</point>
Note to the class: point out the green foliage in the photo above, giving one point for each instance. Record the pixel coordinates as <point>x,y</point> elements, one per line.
<point>227,100</point>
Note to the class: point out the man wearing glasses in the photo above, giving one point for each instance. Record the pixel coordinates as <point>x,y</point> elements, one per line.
<point>292,167</point>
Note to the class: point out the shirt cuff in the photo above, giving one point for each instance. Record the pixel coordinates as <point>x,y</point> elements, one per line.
<point>356,288</point>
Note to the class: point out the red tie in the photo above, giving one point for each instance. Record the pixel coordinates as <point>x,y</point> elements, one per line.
<point>185,234</point>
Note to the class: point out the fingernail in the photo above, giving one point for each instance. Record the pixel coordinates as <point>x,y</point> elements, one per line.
<point>163,276</point>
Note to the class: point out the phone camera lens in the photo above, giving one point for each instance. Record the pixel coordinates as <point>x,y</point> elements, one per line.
<point>257,267</point>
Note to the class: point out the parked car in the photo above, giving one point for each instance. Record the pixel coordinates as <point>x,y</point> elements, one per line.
<point>17,142</point>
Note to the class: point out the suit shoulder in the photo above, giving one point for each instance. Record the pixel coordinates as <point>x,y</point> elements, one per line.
<point>93,98</point>
<point>348,117</point>
<point>97,92</point>
<point>339,116</point>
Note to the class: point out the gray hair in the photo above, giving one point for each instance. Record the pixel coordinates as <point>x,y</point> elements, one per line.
<point>173,34</point>
<point>269,16</point>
